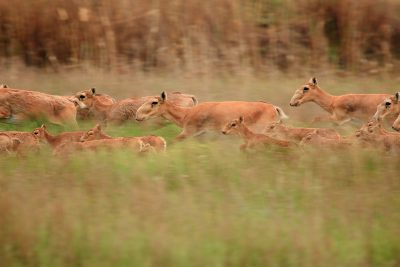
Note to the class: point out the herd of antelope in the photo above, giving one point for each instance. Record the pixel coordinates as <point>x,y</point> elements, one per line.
<point>260,124</point>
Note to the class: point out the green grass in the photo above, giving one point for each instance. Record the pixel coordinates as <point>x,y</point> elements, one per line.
<point>203,203</point>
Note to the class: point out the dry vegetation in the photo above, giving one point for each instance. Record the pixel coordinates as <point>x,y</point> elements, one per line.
<point>202,36</point>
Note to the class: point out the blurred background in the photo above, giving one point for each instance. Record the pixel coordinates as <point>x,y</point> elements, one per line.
<point>202,37</point>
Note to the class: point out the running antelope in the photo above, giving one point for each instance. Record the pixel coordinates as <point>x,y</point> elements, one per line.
<point>281,131</point>
<point>251,140</point>
<point>8,144</point>
<point>342,108</point>
<point>157,142</point>
<point>208,116</point>
<point>125,109</point>
<point>55,140</point>
<point>373,134</point>
<point>28,141</point>
<point>87,113</point>
<point>130,144</point>
<point>316,139</point>
<point>390,106</point>
<point>20,105</point>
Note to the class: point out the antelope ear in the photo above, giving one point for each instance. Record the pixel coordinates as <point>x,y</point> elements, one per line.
<point>43,126</point>
<point>93,90</point>
<point>397,96</point>
<point>313,81</point>
<point>98,126</point>
<point>241,119</point>
<point>163,96</point>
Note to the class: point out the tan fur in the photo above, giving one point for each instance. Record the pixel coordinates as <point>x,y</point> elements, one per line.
<point>85,113</point>
<point>281,131</point>
<point>373,134</point>
<point>21,105</point>
<point>55,140</point>
<point>124,110</point>
<point>389,107</point>
<point>28,141</point>
<point>209,116</point>
<point>251,139</point>
<point>319,141</point>
<point>132,144</point>
<point>157,142</point>
<point>341,108</point>
<point>8,144</point>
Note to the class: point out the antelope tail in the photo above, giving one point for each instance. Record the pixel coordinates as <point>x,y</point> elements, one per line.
<point>282,115</point>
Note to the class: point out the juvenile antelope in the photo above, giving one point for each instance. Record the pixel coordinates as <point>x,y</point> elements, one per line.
<point>20,105</point>
<point>209,116</point>
<point>8,144</point>
<point>251,140</point>
<point>281,131</point>
<point>134,145</point>
<point>55,140</point>
<point>157,142</point>
<point>390,106</point>
<point>342,108</point>
<point>374,134</point>
<point>87,113</point>
<point>316,139</point>
<point>28,142</point>
<point>124,110</point>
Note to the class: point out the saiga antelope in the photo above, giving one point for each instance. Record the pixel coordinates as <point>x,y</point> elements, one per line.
<point>125,109</point>
<point>390,106</point>
<point>251,140</point>
<point>19,105</point>
<point>157,142</point>
<point>208,116</point>
<point>281,131</point>
<point>342,108</point>
<point>55,140</point>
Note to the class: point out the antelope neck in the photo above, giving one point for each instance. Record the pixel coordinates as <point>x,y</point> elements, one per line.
<point>101,108</point>
<point>324,100</point>
<point>175,113</point>
<point>245,132</point>
<point>51,139</point>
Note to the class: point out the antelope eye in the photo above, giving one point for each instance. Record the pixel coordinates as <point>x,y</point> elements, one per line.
<point>90,133</point>
<point>388,104</point>
<point>305,89</point>
<point>35,133</point>
<point>233,124</point>
<point>154,103</point>
<point>82,97</point>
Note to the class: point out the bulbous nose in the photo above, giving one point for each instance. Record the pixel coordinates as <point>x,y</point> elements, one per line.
<point>224,132</point>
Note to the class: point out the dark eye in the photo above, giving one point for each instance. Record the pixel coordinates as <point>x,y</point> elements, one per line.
<point>36,133</point>
<point>81,97</point>
<point>90,133</point>
<point>233,124</point>
<point>154,103</point>
<point>388,104</point>
<point>305,89</point>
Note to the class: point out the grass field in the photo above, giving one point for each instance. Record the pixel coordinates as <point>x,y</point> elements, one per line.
<point>203,203</point>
